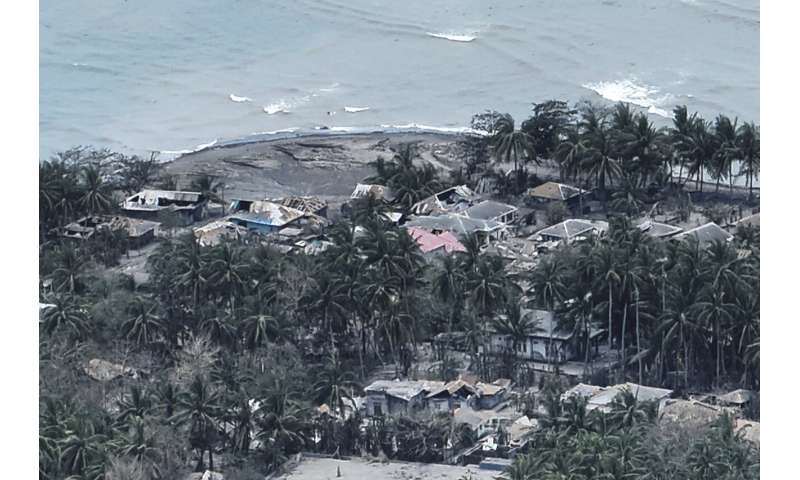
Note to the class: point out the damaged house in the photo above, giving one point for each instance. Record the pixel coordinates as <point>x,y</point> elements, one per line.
<point>270,217</point>
<point>549,193</point>
<point>139,232</point>
<point>148,204</point>
<point>452,200</point>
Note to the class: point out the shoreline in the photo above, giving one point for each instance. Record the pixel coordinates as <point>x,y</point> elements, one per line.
<point>327,132</point>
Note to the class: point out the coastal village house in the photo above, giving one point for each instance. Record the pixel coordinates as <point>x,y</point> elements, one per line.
<point>548,343</point>
<point>601,398</point>
<point>460,225</point>
<point>433,245</point>
<point>659,230</point>
<point>706,234</point>
<point>263,216</point>
<point>452,200</point>
<point>139,232</point>
<point>148,204</point>
<point>410,397</point>
<point>490,210</point>
<point>549,193</point>
<point>571,230</point>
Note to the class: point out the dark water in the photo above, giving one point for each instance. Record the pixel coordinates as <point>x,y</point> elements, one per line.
<point>142,75</point>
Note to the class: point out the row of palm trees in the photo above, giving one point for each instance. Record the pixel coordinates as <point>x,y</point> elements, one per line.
<point>596,146</point>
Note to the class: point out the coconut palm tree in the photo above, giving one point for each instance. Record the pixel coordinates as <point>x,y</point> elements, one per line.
<point>200,408</point>
<point>599,159</point>
<point>748,145</point>
<point>726,153</point>
<point>96,194</point>
<point>256,330</point>
<point>717,312</point>
<point>547,285</point>
<point>226,271</point>
<point>144,325</point>
<point>510,143</point>
<point>65,314</point>
<point>335,385</point>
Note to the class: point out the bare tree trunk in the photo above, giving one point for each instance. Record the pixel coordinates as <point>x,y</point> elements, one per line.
<point>622,339</point>
<point>610,306</point>
<point>638,340</point>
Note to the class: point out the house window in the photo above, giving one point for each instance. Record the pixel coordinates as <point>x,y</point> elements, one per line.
<point>377,410</point>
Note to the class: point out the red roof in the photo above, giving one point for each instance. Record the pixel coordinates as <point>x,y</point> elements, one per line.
<point>429,242</point>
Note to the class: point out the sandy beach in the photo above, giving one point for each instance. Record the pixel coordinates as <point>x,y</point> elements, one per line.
<point>327,166</point>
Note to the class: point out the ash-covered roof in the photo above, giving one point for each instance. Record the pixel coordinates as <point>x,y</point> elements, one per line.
<point>269,213</point>
<point>458,224</point>
<point>659,230</point>
<point>705,234</point>
<point>553,191</point>
<point>568,229</point>
<point>158,199</point>
<point>404,389</point>
<point>489,210</point>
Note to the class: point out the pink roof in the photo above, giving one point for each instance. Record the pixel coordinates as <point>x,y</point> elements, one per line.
<point>428,241</point>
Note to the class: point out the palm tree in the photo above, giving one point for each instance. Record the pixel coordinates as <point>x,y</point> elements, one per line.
<point>256,330</point>
<point>200,408</point>
<point>512,144</point>
<point>448,284</point>
<point>599,159</point>
<point>605,258</point>
<point>335,385</point>
<point>226,271</point>
<point>627,410</point>
<point>65,313</point>
<point>191,276</point>
<point>327,299</point>
<point>136,404</point>
<point>144,325</point>
<point>716,311</point>
<point>726,152</point>
<point>515,325</point>
<point>676,322</point>
<point>68,270</point>
<point>680,134</point>
<point>569,155</point>
<point>96,198</point>
<point>547,283</point>
<point>210,187</point>
<point>136,443</point>
<point>748,144</point>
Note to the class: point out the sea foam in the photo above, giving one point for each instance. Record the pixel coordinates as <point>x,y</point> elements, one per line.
<point>238,99</point>
<point>453,37</point>
<point>629,91</point>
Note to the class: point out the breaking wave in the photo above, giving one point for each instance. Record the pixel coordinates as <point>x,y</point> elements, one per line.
<point>355,109</point>
<point>453,37</point>
<point>238,99</point>
<point>279,107</point>
<point>629,91</point>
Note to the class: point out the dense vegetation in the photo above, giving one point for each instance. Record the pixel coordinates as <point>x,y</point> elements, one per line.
<point>627,442</point>
<point>235,344</point>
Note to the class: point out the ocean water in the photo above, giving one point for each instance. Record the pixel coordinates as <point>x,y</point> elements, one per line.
<point>174,75</point>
